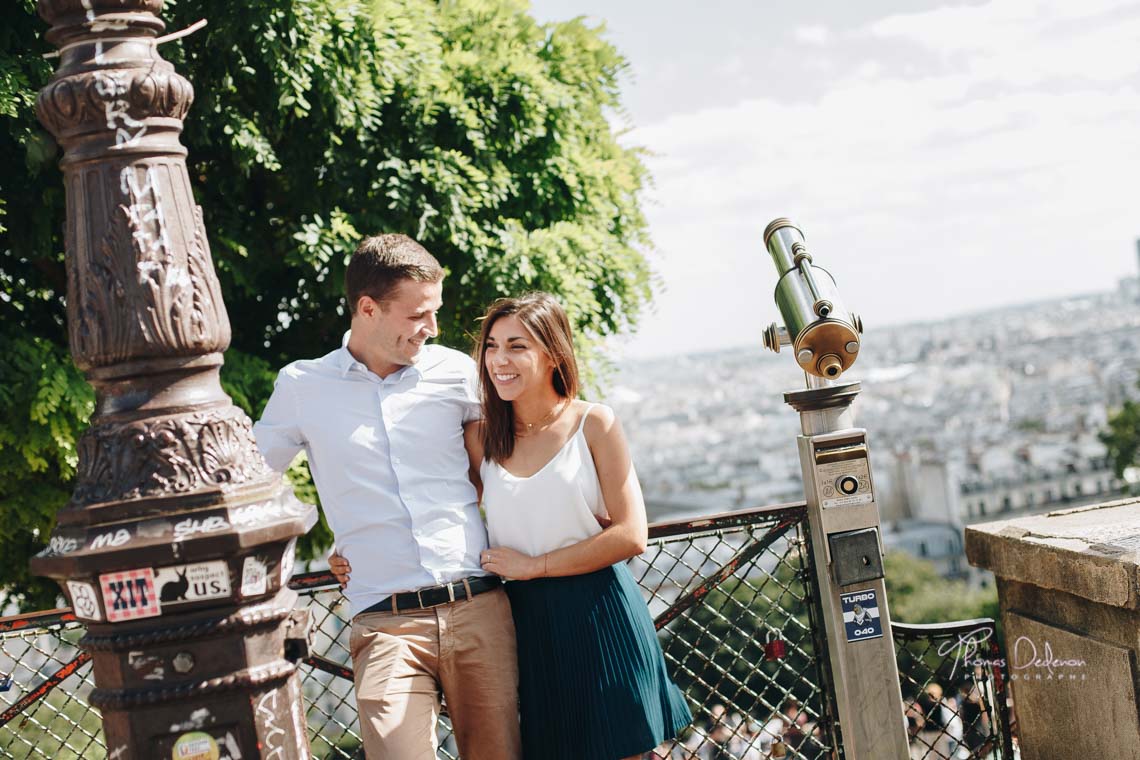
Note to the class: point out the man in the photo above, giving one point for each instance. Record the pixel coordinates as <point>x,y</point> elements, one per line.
<point>382,420</point>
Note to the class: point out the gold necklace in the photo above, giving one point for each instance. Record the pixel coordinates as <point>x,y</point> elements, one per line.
<point>544,423</point>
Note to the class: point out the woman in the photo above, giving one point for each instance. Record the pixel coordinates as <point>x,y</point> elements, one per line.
<point>553,471</point>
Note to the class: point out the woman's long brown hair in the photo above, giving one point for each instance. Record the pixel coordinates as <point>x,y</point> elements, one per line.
<point>546,321</point>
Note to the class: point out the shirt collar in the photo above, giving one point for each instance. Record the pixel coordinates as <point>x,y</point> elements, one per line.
<point>346,362</point>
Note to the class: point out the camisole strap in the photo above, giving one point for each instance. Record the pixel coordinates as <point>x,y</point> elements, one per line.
<point>585,414</point>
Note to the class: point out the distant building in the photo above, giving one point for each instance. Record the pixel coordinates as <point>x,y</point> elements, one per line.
<point>1129,287</point>
<point>926,499</point>
<point>936,542</point>
<point>1043,475</point>
<point>1000,482</point>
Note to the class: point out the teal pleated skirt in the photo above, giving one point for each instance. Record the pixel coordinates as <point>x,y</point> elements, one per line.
<point>592,679</point>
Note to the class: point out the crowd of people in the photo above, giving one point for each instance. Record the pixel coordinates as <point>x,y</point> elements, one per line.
<point>940,726</point>
<point>732,736</point>
<point>944,726</point>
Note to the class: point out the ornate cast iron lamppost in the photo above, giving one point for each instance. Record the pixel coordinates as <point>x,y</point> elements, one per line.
<point>178,542</point>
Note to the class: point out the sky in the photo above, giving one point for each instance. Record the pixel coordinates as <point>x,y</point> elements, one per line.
<point>940,157</point>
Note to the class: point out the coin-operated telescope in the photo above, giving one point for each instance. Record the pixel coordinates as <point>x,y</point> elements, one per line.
<point>824,336</point>
<point>840,496</point>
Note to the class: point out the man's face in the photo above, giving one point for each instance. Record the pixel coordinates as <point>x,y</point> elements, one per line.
<point>399,326</point>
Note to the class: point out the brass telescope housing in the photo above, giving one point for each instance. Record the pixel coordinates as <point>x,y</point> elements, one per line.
<point>823,334</point>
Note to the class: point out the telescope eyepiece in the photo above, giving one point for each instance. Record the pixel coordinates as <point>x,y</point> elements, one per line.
<point>830,366</point>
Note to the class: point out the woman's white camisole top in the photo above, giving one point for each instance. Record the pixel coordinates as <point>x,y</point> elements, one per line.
<point>557,506</point>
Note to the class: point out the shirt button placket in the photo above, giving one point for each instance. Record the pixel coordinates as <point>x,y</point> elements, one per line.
<point>383,393</point>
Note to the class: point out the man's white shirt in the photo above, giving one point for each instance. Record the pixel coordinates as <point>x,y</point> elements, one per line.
<point>388,460</point>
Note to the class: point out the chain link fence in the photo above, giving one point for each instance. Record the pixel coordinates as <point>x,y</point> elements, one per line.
<point>954,690</point>
<point>732,598</point>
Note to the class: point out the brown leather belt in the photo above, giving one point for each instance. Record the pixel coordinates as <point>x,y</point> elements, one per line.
<point>436,595</point>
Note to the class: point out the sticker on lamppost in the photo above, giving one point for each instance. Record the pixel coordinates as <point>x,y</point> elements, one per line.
<point>254,577</point>
<point>129,594</point>
<point>861,615</point>
<point>84,600</point>
<point>193,582</point>
<point>196,745</point>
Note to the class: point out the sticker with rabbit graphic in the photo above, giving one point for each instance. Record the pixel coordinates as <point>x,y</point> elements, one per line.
<point>178,584</point>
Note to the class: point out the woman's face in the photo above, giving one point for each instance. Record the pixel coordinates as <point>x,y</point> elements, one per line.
<point>514,360</point>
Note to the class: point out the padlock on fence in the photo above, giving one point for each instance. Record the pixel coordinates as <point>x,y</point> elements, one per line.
<point>775,648</point>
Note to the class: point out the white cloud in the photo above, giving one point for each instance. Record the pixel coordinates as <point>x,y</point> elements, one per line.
<point>1007,171</point>
<point>1025,42</point>
<point>813,34</point>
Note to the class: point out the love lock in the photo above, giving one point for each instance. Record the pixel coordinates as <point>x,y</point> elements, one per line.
<point>775,649</point>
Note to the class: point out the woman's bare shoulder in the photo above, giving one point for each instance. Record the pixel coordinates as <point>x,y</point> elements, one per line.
<point>600,422</point>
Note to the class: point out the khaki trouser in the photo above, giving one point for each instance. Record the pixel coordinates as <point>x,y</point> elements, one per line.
<point>401,662</point>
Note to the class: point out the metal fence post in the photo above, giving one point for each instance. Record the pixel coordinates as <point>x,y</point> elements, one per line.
<point>177,545</point>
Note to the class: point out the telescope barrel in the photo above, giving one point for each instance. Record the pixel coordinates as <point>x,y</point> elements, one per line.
<point>779,237</point>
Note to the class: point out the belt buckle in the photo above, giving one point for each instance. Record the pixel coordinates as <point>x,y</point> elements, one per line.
<point>420,599</point>
<point>451,592</point>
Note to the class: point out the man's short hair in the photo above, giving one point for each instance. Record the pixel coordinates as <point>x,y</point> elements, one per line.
<point>379,264</point>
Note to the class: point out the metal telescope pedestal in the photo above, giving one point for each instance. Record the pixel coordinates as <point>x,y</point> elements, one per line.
<point>849,571</point>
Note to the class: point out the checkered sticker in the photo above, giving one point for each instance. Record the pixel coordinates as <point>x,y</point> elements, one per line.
<point>129,595</point>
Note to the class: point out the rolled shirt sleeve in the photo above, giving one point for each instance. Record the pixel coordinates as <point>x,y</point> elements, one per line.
<point>472,406</point>
<point>278,432</point>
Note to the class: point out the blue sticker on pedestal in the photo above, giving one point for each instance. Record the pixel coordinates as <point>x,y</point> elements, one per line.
<point>861,615</point>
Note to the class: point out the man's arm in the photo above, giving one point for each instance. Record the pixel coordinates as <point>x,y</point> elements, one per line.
<point>278,432</point>
<point>473,441</point>
<point>472,404</point>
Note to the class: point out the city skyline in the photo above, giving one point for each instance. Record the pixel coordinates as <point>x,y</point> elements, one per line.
<point>942,158</point>
<point>972,419</point>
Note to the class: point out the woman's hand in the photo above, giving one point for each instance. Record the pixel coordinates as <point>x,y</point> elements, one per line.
<point>510,564</point>
<point>340,568</point>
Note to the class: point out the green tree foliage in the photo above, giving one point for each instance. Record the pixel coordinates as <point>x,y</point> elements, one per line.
<point>1122,438</point>
<point>918,594</point>
<point>464,123</point>
<point>45,404</point>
